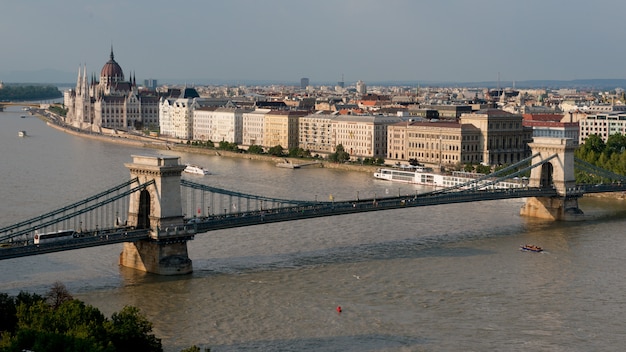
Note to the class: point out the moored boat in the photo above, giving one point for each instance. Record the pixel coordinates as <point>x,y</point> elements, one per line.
<point>426,176</point>
<point>196,170</point>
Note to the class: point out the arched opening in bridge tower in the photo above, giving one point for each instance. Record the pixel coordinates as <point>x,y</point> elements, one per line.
<point>143,215</point>
<point>546,176</point>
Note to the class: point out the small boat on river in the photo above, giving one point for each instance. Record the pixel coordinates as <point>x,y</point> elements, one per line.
<point>21,134</point>
<point>531,248</point>
<point>196,170</point>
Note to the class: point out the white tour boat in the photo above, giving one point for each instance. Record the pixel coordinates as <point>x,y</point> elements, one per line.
<point>426,176</point>
<point>196,170</point>
<point>21,134</point>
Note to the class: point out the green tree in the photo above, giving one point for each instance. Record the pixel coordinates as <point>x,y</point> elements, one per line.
<point>276,150</point>
<point>297,152</point>
<point>255,149</point>
<point>616,143</point>
<point>59,323</point>
<point>130,331</point>
<point>483,169</point>
<point>340,155</point>
<point>223,145</point>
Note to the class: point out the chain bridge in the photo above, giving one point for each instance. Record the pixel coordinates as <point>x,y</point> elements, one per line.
<point>156,212</point>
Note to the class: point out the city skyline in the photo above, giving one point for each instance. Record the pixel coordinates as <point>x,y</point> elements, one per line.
<point>283,41</point>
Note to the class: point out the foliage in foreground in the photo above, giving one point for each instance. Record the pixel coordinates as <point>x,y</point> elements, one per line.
<point>57,322</point>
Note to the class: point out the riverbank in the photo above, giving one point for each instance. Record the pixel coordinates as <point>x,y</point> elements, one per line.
<point>169,144</point>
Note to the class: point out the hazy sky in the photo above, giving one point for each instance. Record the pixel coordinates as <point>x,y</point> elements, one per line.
<point>370,40</point>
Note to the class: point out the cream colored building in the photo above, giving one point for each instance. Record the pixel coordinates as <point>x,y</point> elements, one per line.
<point>362,136</point>
<point>316,133</point>
<point>439,143</point>
<point>176,114</point>
<point>280,127</point>
<point>253,122</point>
<point>202,123</point>
<point>226,125</point>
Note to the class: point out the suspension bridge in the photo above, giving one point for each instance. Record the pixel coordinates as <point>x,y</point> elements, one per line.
<point>146,213</point>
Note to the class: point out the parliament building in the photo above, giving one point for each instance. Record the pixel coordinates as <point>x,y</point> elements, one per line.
<point>112,102</point>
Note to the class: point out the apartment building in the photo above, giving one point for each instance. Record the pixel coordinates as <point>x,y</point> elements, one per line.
<point>253,122</point>
<point>202,123</point>
<point>316,133</point>
<point>226,125</point>
<point>280,127</point>
<point>362,136</point>
<point>176,114</point>
<point>602,124</point>
<point>438,143</point>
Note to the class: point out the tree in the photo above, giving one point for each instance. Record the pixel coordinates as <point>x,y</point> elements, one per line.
<point>276,150</point>
<point>255,149</point>
<point>60,323</point>
<point>616,143</point>
<point>223,145</point>
<point>57,295</point>
<point>483,169</point>
<point>130,331</point>
<point>340,155</point>
<point>298,152</point>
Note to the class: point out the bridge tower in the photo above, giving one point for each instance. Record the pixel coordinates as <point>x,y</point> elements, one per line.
<point>158,208</point>
<point>558,172</point>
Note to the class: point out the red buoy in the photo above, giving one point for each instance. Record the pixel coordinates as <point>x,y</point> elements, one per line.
<point>338,309</point>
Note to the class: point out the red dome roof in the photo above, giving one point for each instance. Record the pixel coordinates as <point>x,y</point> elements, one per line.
<point>112,70</point>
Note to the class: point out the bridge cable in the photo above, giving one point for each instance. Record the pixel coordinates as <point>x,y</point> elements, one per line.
<point>79,212</point>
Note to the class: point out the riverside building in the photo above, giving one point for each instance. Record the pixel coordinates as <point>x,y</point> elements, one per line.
<point>112,102</point>
<point>489,137</point>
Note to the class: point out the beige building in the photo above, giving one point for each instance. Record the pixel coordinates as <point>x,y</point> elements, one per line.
<point>504,140</point>
<point>253,122</point>
<point>488,136</point>
<point>439,143</point>
<point>363,136</point>
<point>280,127</point>
<point>316,133</point>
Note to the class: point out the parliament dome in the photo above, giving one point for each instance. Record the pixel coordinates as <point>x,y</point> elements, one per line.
<point>111,71</point>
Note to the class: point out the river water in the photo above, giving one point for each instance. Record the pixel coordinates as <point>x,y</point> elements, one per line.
<point>439,278</point>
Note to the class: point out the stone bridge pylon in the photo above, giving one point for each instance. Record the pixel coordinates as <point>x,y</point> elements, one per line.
<point>557,173</point>
<point>158,207</point>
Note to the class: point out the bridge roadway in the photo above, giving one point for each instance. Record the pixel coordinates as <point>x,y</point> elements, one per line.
<point>186,231</point>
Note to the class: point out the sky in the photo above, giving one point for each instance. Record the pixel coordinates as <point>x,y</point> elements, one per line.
<point>284,40</point>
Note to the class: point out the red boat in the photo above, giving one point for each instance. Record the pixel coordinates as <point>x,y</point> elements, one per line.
<point>531,248</point>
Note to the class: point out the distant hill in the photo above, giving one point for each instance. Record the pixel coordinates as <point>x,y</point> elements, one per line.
<point>63,78</point>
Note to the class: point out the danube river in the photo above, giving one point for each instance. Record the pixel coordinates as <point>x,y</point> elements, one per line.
<point>440,278</point>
